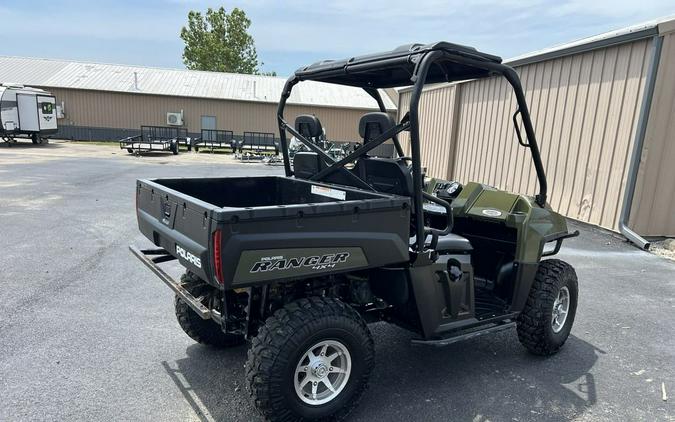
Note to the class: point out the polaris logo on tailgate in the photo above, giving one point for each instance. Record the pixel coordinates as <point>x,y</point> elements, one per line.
<point>317,262</point>
<point>188,256</point>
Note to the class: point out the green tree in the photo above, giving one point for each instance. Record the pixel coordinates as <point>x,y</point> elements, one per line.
<point>219,42</point>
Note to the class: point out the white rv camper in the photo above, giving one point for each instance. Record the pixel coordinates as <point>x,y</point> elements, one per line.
<point>26,112</point>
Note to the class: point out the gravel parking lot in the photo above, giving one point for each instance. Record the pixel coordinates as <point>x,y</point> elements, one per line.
<point>88,333</point>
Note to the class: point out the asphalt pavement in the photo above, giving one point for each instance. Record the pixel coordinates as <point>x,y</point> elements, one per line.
<point>87,333</point>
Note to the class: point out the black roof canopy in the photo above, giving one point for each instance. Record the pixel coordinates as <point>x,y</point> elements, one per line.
<point>394,68</point>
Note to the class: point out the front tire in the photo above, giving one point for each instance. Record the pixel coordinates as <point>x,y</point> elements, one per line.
<point>546,321</point>
<point>311,360</point>
<point>203,331</point>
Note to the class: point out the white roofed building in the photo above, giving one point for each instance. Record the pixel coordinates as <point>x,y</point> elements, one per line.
<point>108,101</point>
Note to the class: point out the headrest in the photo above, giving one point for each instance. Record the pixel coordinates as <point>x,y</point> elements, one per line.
<point>374,124</point>
<point>308,126</point>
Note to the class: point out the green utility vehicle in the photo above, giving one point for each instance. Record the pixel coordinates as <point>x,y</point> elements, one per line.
<point>299,265</point>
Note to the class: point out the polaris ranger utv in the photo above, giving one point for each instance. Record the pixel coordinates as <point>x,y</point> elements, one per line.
<point>298,265</point>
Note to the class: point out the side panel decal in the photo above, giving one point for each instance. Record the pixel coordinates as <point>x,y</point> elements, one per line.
<point>269,264</point>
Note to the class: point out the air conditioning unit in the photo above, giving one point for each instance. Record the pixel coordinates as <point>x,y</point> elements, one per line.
<point>174,119</point>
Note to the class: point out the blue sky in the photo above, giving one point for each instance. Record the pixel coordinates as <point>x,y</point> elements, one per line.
<point>291,33</point>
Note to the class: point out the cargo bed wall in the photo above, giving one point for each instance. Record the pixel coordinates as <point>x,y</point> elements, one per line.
<point>238,192</point>
<point>295,227</point>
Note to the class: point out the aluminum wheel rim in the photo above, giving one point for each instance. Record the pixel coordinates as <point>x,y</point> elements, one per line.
<point>561,308</point>
<point>322,372</point>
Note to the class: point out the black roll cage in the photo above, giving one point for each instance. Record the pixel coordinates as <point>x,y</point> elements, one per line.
<point>423,60</point>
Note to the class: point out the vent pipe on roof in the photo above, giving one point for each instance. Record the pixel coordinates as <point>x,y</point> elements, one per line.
<point>636,155</point>
<point>136,82</point>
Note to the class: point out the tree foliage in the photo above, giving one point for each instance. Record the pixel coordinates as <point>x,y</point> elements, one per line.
<point>219,41</point>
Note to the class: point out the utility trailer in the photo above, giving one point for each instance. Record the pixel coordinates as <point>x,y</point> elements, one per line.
<point>214,138</point>
<point>26,113</point>
<point>155,138</point>
<point>299,265</point>
<point>256,146</point>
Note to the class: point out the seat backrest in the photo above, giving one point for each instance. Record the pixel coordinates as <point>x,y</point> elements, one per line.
<point>385,175</point>
<point>306,164</point>
<point>383,150</point>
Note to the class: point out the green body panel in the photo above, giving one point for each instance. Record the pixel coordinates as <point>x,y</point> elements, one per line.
<point>535,225</point>
<point>273,264</point>
<point>493,205</point>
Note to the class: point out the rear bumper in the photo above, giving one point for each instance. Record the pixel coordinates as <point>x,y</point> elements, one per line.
<point>152,257</point>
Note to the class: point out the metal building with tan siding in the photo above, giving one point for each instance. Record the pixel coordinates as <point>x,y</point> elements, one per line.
<point>604,116</point>
<point>106,102</point>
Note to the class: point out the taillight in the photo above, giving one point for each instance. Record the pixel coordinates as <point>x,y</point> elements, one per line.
<point>217,258</point>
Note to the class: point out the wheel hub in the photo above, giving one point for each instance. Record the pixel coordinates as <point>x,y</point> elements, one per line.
<point>319,369</point>
<point>322,372</point>
<point>561,307</point>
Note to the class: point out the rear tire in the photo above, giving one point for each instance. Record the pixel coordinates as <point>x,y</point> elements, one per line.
<point>546,321</point>
<point>286,384</point>
<point>203,331</point>
<point>174,148</point>
<point>35,138</point>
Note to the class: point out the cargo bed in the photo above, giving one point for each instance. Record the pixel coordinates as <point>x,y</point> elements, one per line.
<point>243,231</point>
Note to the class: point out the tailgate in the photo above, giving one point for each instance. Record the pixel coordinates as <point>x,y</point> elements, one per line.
<point>176,222</point>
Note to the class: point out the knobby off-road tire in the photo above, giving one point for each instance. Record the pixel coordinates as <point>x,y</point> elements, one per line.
<point>203,331</point>
<point>537,329</point>
<point>279,355</point>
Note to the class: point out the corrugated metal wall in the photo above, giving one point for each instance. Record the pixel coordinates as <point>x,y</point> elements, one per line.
<point>653,212</point>
<point>438,125</point>
<point>584,108</point>
<point>128,111</point>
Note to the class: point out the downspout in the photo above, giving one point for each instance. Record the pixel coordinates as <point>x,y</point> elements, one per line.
<point>636,154</point>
